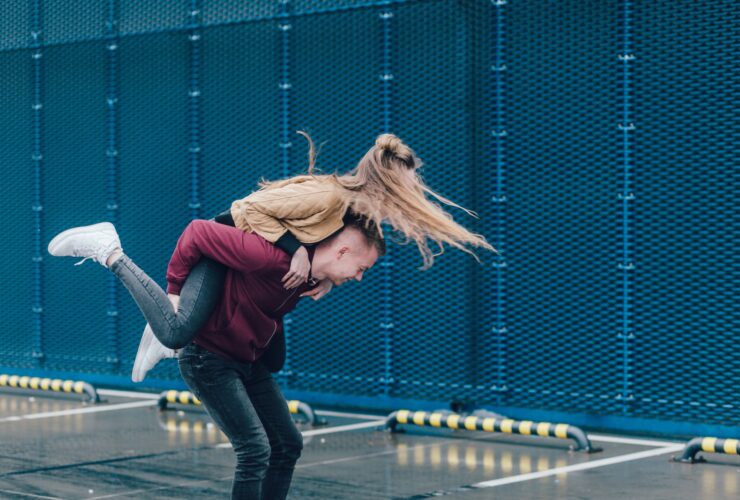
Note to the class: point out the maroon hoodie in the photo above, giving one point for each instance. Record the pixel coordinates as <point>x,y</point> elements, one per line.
<point>253,302</point>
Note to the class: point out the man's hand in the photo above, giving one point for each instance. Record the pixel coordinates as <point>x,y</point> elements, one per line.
<point>319,290</point>
<point>299,269</point>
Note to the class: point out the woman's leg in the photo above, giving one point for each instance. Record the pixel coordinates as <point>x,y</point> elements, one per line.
<point>150,350</point>
<point>201,291</point>
<point>219,384</point>
<point>199,295</point>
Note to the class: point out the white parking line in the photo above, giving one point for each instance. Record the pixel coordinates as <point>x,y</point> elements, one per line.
<point>77,411</point>
<point>578,467</point>
<point>29,495</point>
<point>348,415</point>
<point>128,394</point>
<point>343,428</point>
<point>640,442</point>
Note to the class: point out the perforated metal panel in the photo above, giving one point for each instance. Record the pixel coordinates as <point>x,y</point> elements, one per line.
<point>595,140</point>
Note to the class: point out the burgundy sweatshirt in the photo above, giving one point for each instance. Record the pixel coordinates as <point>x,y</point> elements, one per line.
<point>251,308</point>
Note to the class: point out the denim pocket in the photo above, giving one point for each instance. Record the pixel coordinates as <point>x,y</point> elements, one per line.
<point>209,368</point>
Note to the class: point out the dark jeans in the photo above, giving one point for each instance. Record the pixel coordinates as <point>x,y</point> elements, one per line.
<point>246,403</point>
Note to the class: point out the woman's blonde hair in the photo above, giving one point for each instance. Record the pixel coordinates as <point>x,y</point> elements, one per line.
<point>384,186</point>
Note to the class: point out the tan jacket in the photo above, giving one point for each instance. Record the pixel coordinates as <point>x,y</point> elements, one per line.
<point>311,208</point>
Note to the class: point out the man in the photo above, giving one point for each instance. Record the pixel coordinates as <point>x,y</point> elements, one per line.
<point>221,367</point>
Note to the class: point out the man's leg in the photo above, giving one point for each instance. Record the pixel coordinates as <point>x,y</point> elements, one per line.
<point>219,384</point>
<point>286,441</point>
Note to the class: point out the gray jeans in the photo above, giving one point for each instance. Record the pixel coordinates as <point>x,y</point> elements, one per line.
<point>198,297</point>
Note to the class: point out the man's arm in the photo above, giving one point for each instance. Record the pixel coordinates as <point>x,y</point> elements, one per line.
<point>232,247</point>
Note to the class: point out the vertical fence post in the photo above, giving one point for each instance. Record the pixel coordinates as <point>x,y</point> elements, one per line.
<point>626,335</point>
<point>284,85</point>
<point>386,78</point>
<point>111,46</point>
<point>193,30</point>
<point>498,199</point>
<point>37,159</point>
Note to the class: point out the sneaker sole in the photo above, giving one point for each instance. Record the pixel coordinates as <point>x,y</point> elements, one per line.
<point>144,344</point>
<point>62,237</point>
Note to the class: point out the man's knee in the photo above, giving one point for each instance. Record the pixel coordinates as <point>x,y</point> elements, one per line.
<point>290,450</point>
<point>252,459</point>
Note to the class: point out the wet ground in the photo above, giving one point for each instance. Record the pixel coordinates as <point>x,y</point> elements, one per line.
<point>58,447</point>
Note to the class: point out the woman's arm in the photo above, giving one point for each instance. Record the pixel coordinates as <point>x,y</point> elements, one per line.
<point>300,267</point>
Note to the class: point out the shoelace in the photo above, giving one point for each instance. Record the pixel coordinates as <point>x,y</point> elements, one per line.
<point>101,255</point>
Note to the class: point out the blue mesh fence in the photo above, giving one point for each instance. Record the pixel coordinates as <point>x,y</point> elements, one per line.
<point>594,139</point>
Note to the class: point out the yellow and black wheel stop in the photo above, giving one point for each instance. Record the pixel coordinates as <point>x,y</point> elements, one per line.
<point>708,445</point>
<point>491,424</point>
<point>188,398</point>
<point>179,397</point>
<point>49,384</point>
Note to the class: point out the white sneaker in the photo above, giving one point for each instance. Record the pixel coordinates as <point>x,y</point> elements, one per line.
<point>95,242</point>
<point>150,352</point>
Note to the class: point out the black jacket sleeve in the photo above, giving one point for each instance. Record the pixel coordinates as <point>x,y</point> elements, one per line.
<point>289,243</point>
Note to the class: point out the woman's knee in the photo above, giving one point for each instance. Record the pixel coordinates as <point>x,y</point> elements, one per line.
<point>175,336</point>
